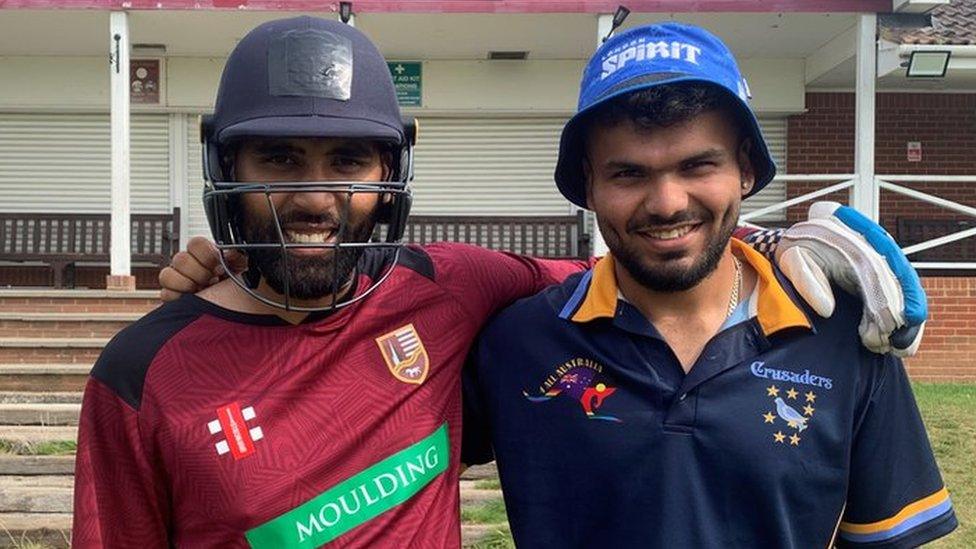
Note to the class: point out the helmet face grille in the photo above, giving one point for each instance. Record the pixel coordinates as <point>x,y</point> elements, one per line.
<point>310,63</point>
<point>223,203</point>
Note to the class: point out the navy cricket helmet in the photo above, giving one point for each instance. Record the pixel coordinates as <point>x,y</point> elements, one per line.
<point>295,78</point>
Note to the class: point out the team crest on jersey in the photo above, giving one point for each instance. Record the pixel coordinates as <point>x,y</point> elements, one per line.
<point>580,379</point>
<point>239,437</point>
<point>789,412</point>
<point>405,354</point>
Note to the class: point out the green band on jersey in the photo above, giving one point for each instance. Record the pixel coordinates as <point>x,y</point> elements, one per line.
<point>359,498</point>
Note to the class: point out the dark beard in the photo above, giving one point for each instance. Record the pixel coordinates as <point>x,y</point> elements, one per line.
<point>308,277</point>
<point>672,278</point>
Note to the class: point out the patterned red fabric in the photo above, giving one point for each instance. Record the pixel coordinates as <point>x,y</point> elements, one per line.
<point>151,470</point>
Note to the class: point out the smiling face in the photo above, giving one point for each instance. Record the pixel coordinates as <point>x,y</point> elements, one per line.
<point>312,217</point>
<point>667,198</point>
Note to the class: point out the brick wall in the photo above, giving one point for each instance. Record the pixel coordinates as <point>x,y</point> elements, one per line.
<point>948,351</point>
<point>822,141</point>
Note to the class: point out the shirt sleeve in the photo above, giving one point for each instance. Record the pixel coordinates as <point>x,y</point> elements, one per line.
<point>896,496</point>
<point>476,445</point>
<point>120,499</point>
<point>485,281</point>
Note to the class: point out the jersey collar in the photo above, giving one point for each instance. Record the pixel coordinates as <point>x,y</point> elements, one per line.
<point>596,294</point>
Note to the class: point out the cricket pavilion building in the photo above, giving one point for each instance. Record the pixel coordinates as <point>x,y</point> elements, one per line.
<point>100,178</point>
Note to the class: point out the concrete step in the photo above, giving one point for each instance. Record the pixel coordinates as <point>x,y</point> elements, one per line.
<point>479,472</point>
<point>36,465</point>
<point>70,317</point>
<point>39,414</point>
<point>36,494</point>
<point>77,301</point>
<point>33,434</point>
<point>47,530</point>
<point>40,397</point>
<point>44,377</point>
<point>473,533</point>
<point>474,496</point>
<point>55,350</point>
<point>63,324</point>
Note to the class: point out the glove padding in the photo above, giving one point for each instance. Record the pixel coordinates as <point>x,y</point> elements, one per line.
<point>838,243</point>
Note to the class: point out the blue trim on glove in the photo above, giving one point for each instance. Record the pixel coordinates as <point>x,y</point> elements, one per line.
<point>916,305</point>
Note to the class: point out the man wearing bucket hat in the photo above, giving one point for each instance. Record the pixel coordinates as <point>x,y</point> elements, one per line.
<point>678,394</point>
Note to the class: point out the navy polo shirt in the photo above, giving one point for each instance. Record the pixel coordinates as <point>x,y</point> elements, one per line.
<point>786,432</point>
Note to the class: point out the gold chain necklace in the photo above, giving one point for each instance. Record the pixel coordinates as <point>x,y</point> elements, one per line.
<point>734,298</point>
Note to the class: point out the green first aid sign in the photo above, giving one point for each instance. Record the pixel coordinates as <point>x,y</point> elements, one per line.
<point>408,80</point>
<point>359,498</point>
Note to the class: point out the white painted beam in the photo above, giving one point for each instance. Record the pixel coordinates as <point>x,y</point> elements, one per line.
<point>916,6</point>
<point>604,23</point>
<point>829,56</point>
<point>865,192</point>
<point>119,77</point>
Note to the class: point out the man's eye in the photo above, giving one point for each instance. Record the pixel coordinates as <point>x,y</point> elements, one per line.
<point>625,174</point>
<point>699,165</point>
<point>280,160</point>
<point>348,161</point>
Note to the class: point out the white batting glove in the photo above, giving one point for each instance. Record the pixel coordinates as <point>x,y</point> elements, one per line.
<point>839,244</point>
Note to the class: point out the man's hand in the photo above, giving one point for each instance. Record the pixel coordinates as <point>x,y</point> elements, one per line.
<point>838,243</point>
<point>196,268</point>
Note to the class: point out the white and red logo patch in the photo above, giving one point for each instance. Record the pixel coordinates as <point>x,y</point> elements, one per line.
<point>405,354</point>
<point>232,421</point>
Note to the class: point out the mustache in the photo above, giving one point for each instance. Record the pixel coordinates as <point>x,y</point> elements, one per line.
<point>653,221</point>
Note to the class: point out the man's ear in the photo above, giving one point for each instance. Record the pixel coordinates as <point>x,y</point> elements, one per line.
<point>386,159</point>
<point>747,174</point>
<point>588,182</point>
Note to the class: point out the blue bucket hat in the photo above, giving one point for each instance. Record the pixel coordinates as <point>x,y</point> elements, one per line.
<point>648,56</point>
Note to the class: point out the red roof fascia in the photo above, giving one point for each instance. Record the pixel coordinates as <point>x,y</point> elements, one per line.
<point>469,6</point>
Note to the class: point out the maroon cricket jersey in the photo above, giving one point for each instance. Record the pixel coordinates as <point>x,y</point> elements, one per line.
<point>204,427</point>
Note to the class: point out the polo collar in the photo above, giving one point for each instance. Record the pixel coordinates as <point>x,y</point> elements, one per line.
<point>596,294</point>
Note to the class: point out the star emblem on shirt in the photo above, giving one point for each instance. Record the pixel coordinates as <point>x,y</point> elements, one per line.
<point>769,417</point>
<point>794,440</point>
<point>792,393</point>
<point>808,410</point>
<point>772,391</point>
<point>811,396</point>
<point>779,436</point>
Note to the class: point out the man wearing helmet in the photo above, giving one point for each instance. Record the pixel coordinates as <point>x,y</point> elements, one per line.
<point>314,398</point>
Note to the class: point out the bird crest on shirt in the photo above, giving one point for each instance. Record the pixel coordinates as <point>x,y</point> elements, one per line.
<point>789,411</point>
<point>581,379</point>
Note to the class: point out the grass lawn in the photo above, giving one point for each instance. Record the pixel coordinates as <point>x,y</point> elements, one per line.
<point>949,411</point>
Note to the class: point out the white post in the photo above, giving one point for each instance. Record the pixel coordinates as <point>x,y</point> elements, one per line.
<point>864,196</point>
<point>604,23</point>
<point>178,176</point>
<point>120,277</point>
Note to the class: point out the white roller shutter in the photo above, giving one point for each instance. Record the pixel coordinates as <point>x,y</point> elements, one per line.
<point>504,166</point>
<point>485,166</point>
<point>196,219</point>
<point>62,163</point>
<point>774,130</point>
<point>488,166</point>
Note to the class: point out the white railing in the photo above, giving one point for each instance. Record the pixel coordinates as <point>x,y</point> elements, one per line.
<point>841,182</point>
<point>887,182</point>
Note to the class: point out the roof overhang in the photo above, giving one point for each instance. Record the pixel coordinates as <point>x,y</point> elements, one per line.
<point>917,6</point>
<point>472,6</point>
